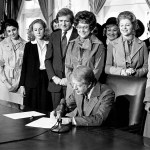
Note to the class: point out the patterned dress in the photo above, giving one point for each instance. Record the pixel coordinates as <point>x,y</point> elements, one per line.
<point>11,56</point>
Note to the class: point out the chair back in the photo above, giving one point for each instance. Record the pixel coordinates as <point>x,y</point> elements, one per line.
<point>129,94</point>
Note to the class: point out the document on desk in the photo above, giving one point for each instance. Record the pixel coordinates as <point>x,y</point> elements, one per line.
<point>43,122</point>
<point>22,115</point>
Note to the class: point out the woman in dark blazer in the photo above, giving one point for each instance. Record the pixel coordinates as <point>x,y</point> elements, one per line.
<point>34,80</point>
<point>127,55</point>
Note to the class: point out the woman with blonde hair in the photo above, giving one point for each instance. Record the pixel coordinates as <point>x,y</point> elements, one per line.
<point>127,55</point>
<point>34,80</point>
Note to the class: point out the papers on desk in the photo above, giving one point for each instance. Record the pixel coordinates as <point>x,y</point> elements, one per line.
<point>21,115</point>
<point>43,122</point>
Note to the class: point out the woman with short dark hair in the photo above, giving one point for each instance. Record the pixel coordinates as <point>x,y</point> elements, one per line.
<point>86,17</point>
<point>86,49</point>
<point>110,30</point>
<point>11,55</point>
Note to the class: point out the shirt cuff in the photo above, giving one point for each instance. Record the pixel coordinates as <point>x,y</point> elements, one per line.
<point>53,77</point>
<point>74,121</point>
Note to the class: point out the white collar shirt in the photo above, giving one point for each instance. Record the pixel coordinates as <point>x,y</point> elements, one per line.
<point>42,53</point>
<point>68,34</point>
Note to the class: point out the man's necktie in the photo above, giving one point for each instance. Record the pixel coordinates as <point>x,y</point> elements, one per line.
<point>85,103</point>
<point>64,44</point>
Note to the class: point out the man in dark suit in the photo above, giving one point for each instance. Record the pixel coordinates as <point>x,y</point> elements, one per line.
<point>90,102</point>
<point>56,52</point>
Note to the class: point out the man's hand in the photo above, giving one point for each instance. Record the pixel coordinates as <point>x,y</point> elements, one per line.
<point>56,80</point>
<point>63,82</point>
<point>53,114</point>
<point>66,120</point>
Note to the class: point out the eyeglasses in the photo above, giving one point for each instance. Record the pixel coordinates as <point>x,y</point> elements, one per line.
<point>83,27</point>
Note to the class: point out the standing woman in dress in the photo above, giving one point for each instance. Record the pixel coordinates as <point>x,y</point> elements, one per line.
<point>11,55</point>
<point>34,80</point>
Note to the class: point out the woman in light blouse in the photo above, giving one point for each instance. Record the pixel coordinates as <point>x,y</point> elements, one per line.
<point>11,55</point>
<point>34,80</point>
<point>127,55</point>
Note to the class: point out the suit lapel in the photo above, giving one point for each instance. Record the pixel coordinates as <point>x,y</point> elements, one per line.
<point>120,48</point>
<point>135,47</point>
<point>72,37</point>
<point>79,102</point>
<point>93,99</point>
<point>36,53</point>
<point>120,53</point>
<point>74,34</point>
<point>57,43</point>
<point>90,106</point>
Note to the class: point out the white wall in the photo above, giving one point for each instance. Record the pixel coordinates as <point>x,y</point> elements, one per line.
<point>110,8</point>
<point>74,5</point>
<point>78,5</point>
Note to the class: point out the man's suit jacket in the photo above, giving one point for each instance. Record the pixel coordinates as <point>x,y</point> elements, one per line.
<point>97,110</point>
<point>115,61</point>
<point>54,61</point>
<point>30,67</point>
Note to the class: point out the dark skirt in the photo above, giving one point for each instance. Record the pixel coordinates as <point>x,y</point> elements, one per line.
<point>39,99</point>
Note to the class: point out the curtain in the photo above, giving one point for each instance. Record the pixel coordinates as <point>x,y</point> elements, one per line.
<point>148,3</point>
<point>13,7</point>
<point>96,5</point>
<point>47,7</point>
<point>2,11</point>
<point>91,5</point>
<point>44,8</point>
<point>50,12</point>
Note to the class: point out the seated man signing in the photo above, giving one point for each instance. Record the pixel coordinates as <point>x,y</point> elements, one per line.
<point>90,102</point>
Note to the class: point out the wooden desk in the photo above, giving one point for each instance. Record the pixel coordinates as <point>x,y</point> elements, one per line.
<point>79,138</point>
